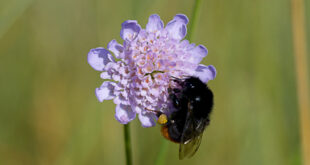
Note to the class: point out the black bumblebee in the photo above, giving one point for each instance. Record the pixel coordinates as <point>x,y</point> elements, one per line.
<point>193,101</point>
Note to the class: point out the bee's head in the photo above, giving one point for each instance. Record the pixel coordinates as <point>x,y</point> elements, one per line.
<point>192,85</point>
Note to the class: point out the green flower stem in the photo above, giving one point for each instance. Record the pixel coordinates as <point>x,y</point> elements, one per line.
<point>161,157</point>
<point>165,144</point>
<point>127,144</point>
<point>301,68</point>
<point>193,19</point>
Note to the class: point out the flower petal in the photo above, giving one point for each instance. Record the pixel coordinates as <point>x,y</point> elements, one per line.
<point>177,27</point>
<point>135,107</point>
<point>205,73</point>
<point>147,120</point>
<point>155,23</point>
<point>105,91</point>
<point>121,99</point>
<point>105,75</point>
<point>116,48</point>
<point>186,67</point>
<point>124,113</point>
<point>98,58</point>
<point>130,30</point>
<point>197,54</point>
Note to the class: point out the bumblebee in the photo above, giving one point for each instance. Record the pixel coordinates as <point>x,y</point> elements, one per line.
<point>193,102</point>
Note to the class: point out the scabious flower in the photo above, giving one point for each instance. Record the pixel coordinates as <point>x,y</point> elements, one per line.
<point>147,60</point>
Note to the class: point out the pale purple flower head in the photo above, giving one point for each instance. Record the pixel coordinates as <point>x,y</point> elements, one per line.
<point>147,60</point>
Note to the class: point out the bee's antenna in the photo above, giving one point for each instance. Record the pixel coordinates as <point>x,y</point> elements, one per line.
<point>175,79</point>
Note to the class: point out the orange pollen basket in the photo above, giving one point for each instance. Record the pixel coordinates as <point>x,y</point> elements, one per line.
<point>165,133</point>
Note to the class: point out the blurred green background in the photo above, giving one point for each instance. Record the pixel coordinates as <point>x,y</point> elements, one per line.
<point>49,114</point>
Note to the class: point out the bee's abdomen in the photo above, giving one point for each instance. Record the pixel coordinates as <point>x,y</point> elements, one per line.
<point>166,132</point>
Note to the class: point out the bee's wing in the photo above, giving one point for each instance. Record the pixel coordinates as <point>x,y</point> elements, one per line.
<point>191,136</point>
<point>189,148</point>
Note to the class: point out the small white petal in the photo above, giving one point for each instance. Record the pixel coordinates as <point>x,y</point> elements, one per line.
<point>116,48</point>
<point>155,92</point>
<point>130,30</point>
<point>120,99</point>
<point>184,44</point>
<point>116,100</point>
<point>205,73</point>
<point>155,23</point>
<point>177,27</point>
<point>98,58</point>
<point>147,120</point>
<point>105,75</point>
<point>105,91</point>
<point>197,54</point>
<point>124,113</point>
<point>136,108</point>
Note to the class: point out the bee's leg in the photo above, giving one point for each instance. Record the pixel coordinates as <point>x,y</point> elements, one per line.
<point>174,95</point>
<point>207,121</point>
<point>176,90</point>
<point>173,91</point>
<point>158,113</point>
